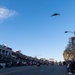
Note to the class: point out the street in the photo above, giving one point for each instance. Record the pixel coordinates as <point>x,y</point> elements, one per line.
<point>34,70</point>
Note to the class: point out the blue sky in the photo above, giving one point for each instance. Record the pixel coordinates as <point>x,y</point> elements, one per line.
<point>27,25</point>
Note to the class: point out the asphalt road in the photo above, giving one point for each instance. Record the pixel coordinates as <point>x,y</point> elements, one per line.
<point>34,70</point>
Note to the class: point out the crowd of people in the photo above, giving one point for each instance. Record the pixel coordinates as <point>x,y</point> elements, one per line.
<point>70,66</point>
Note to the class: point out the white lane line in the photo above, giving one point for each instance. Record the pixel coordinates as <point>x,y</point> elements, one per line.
<point>12,72</point>
<point>42,70</point>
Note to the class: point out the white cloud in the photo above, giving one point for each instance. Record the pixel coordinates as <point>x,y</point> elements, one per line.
<point>6,13</point>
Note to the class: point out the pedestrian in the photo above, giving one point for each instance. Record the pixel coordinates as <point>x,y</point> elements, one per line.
<point>69,67</point>
<point>72,66</point>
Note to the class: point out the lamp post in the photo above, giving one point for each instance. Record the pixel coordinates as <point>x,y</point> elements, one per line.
<point>72,38</point>
<point>70,32</point>
<point>72,43</point>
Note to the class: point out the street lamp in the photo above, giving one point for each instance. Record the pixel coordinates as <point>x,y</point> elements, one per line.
<point>70,32</point>
<point>72,43</point>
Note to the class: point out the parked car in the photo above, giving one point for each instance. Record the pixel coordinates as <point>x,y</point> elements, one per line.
<point>38,64</point>
<point>1,66</point>
<point>60,63</point>
<point>52,63</point>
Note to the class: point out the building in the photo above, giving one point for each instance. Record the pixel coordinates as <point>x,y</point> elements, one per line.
<point>5,54</point>
<point>6,51</point>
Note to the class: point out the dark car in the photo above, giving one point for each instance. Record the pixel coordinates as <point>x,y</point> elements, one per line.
<point>1,66</point>
<point>38,64</point>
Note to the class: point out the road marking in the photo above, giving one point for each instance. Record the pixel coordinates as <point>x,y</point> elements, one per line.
<point>11,72</point>
<point>42,70</point>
